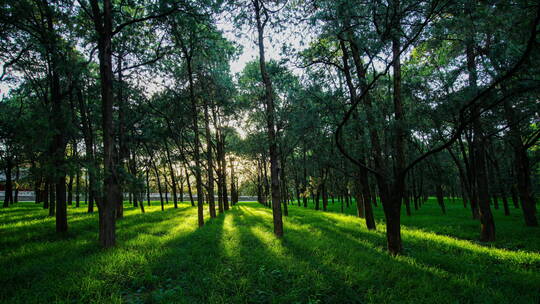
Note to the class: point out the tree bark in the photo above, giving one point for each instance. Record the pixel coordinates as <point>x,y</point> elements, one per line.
<point>487,223</point>
<point>196,149</point>
<point>173,177</point>
<point>107,207</point>
<point>270,113</point>
<point>522,170</point>
<point>8,191</point>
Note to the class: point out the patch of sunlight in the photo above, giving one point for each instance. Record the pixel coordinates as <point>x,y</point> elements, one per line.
<point>266,237</point>
<point>259,212</point>
<point>343,217</point>
<point>448,241</point>
<point>162,232</point>
<point>184,224</point>
<point>229,240</point>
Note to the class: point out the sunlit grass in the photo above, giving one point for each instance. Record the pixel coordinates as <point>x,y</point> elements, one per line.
<point>325,257</point>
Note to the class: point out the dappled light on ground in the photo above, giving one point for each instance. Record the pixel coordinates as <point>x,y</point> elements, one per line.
<point>324,257</point>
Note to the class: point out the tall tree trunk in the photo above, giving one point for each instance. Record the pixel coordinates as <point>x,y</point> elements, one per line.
<point>270,113</point>
<point>78,186</point>
<point>234,189</point>
<point>52,199</point>
<point>181,188</point>
<point>189,190</point>
<point>107,207</point>
<point>407,202</point>
<point>8,191</point>
<point>148,186</point>
<point>123,151</point>
<point>59,124</point>
<point>522,169</point>
<point>91,165</point>
<point>166,183</point>
<point>209,164</point>
<point>17,175</point>
<point>70,189</point>
<point>221,208</point>
<point>45,193</point>
<point>158,181</point>
<point>471,175</point>
<point>324,196</point>
<point>366,195</point>
<point>284,195</point>
<point>223,165</point>
<point>391,202</point>
<point>196,149</point>
<point>86,190</point>
<point>515,199</point>
<point>398,186</point>
<point>440,197</point>
<point>487,223</point>
<point>173,177</point>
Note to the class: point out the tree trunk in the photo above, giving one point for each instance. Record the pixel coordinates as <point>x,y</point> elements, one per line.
<point>234,189</point>
<point>324,195</point>
<point>223,165</point>
<point>270,113</point>
<point>407,201</point>
<point>45,194</point>
<point>440,198</point>
<point>107,207</point>
<point>487,224</point>
<point>78,187</point>
<point>17,175</point>
<point>515,199</point>
<point>189,190</point>
<point>148,186</point>
<point>392,214</point>
<point>391,204</point>
<point>70,190</point>
<point>196,149</point>
<point>158,181</point>
<point>173,177</point>
<point>8,192</point>
<point>52,199</point>
<point>209,164</point>
<point>317,196</point>
<point>91,166</point>
<point>123,150</point>
<point>166,183</point>
<point>528,205</point>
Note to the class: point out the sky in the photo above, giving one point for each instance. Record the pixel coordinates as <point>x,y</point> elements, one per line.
<point>247,40</point>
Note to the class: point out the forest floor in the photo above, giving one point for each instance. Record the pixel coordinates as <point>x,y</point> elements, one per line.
<point>325,257</point>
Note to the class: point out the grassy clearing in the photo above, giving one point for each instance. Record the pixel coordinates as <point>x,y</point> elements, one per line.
<point>324,258</point>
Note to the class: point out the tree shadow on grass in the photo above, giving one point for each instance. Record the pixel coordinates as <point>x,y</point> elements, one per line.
<point>40,259</point>
<point>185,268</point>
<point>433,264</point>
<point>162,257</point>
<point>511,233</point>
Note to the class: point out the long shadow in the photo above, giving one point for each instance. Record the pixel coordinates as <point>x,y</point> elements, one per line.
<point>82,226</point>
<point>186,267</point>
<point>457,224</point>
<point>316,265</point>
<point>44,257</point>
<point>433,264</point>
<point>162,257</point>
<point>21,220</point>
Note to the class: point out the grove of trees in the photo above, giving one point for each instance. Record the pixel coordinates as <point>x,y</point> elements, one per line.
<point>375,103</point>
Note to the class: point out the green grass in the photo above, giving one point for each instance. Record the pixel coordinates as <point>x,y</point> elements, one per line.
<point>329,257</point>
